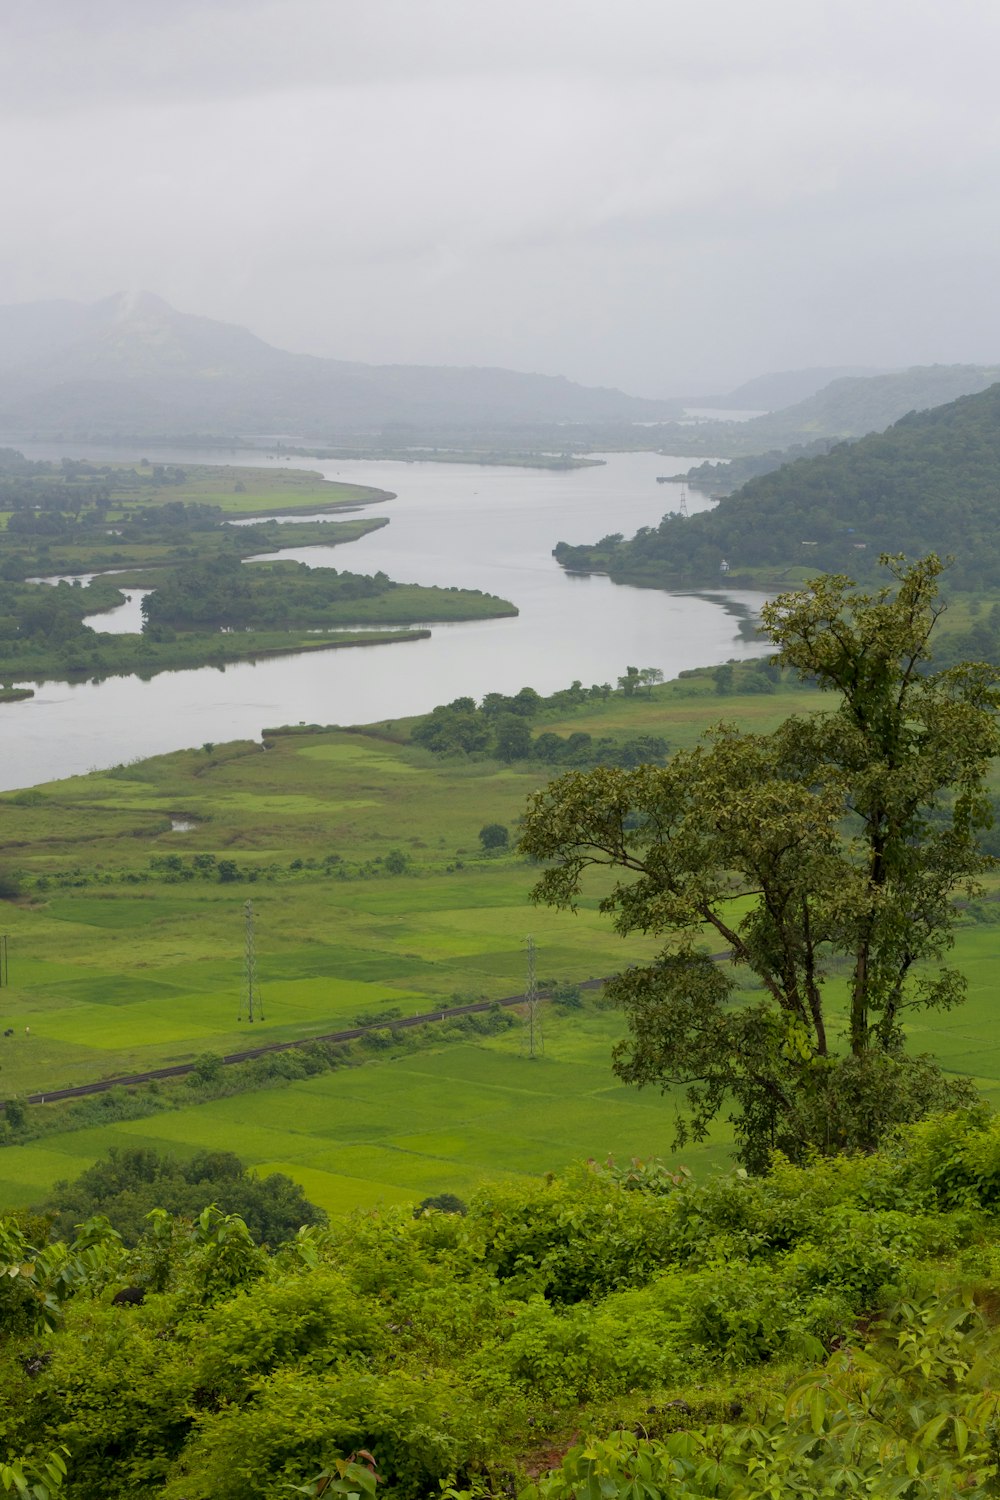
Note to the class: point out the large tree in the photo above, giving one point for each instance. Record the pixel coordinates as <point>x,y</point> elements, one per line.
<point>833,847</point>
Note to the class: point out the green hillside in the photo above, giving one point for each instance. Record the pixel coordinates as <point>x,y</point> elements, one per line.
<point>612,1333</point>
<point>930,483</point>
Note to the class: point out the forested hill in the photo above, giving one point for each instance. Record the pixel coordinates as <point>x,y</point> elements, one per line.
<point>930,483</point>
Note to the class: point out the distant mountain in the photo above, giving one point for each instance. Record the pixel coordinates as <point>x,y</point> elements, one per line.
<point>787,387</point>
<point>856,405</point>
<point>848,407</point>
<point>929,483</point>
<point>136,365</point>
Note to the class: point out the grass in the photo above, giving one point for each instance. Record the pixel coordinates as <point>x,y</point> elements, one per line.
<point>115,966</point>
<point>113,976</point>
<point>398,1130</point>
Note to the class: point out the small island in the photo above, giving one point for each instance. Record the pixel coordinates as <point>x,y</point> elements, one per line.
<point>182,535</point>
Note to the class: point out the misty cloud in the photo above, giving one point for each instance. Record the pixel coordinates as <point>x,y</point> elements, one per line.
<point>658,197</point>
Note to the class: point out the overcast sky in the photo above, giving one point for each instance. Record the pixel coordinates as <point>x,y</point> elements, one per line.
<point>668,197</point>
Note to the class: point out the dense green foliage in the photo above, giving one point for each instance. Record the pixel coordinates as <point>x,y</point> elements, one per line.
<point>838,837</point>
<point>127,1185</point>
<point>718,479</point>
<point>500,726</point>
<point>729,1324</point>
<point>286,595</point>
<point>36,617</point>
<point>927,484</point>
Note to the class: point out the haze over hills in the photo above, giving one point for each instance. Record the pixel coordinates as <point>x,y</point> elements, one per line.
<point>855,405</point>
<point>849,407</point>
<point>783,388</point>
<point>135,364</point>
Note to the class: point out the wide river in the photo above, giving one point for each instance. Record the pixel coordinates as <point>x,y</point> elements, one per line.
<point>453,524</point>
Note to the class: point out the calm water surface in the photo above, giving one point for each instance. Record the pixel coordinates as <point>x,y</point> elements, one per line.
<point>450,524</point>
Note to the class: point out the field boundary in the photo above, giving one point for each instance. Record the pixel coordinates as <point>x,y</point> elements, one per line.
<point>351,1034</point>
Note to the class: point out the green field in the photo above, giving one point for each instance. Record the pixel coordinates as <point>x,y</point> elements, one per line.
<point>436,1120</point>
<point>116,965</point>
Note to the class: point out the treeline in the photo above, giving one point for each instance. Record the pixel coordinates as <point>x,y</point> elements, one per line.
<point>928,484</point>
<point>718,479</point>
<point>96,655</point>
<point>174,869</point>
<point>825,1330</point>
<point>222,592</point>
<point>501,727</point>
<point>70,500</point>
<point>50,618</point>
<point>127,1185</point>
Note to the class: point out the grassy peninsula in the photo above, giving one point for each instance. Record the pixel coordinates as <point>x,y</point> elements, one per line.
<point>170,530</point>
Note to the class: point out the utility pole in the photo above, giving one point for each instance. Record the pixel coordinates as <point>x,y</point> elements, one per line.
<point>253,997</point>
<point>532,1041</point>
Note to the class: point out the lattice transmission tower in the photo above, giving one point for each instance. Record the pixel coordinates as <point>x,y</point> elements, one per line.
<point>254,1002</point>
<point>532,1040</point>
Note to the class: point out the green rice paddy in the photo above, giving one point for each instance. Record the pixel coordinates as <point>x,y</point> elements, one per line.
<point>394,1131</point>
<point>115,966</point>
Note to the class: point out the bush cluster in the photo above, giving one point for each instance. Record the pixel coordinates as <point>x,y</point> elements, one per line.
<point>452,1346</point>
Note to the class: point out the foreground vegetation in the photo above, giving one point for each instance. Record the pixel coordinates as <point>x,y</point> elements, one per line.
<point>618,1330</point>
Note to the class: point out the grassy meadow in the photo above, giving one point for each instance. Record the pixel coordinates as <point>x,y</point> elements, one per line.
<point>126,952</point>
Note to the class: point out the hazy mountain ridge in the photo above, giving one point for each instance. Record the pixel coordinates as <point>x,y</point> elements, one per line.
<point>135,362</point>
<point>846,408</point>
<point>783,388</point>
<point>856,405</point>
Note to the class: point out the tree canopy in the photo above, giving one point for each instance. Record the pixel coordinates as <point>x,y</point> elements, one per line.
<point>832,846</point>
<point>126,1185</point>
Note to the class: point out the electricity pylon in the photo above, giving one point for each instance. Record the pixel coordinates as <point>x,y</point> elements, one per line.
<point>254,1003</point>
<point>532,1041</point>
